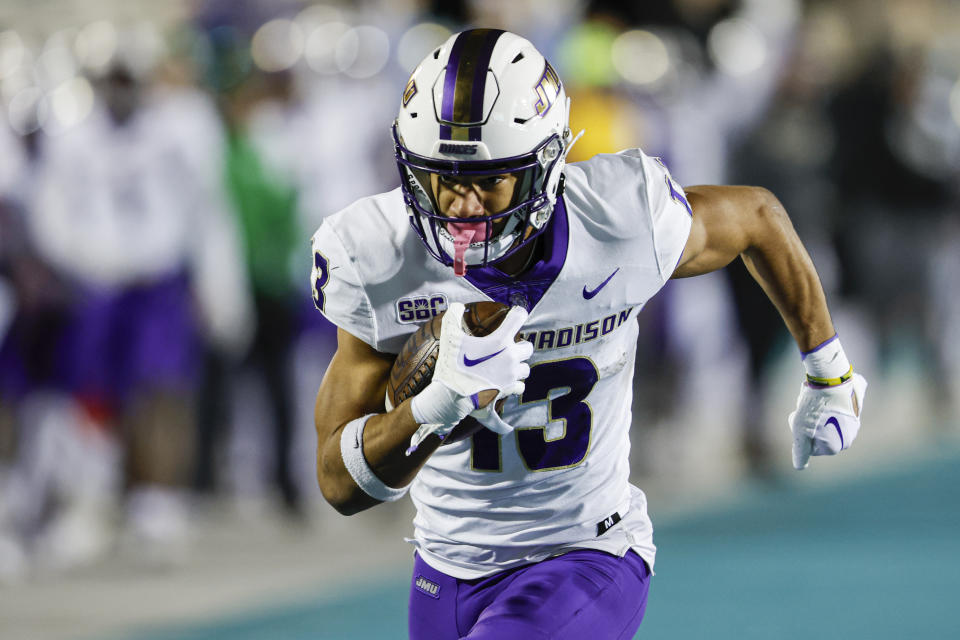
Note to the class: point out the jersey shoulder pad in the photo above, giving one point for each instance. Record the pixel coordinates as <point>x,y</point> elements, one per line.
<point>354,250</point>
<point>628,195</point>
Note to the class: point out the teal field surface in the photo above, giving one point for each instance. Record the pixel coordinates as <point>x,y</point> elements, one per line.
<point>873,557</point>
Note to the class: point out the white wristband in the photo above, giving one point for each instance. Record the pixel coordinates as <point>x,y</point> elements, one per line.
<point>351,450</point>
<point>827,360</point>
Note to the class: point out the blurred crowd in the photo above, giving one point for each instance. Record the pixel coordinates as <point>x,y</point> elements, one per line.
<point>163,165</point>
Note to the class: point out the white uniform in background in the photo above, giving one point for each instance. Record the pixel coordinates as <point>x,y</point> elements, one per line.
<point>123,212</point>
<point>126,205</point>
<point>11,172</point>
<point>11,160</point>
<point>560,481</point>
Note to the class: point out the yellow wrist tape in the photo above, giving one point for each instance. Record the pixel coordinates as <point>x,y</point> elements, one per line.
<point>829,382</point>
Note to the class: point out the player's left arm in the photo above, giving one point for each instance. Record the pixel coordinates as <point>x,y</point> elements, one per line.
<point>750,222</point>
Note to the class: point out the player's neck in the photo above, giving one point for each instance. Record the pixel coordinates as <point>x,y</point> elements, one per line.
<point>522,260</point>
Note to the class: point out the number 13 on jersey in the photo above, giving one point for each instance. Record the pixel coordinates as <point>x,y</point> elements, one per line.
<point>564,385</point>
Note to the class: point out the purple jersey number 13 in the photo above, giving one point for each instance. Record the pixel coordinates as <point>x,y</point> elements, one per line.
<point>577,376</point>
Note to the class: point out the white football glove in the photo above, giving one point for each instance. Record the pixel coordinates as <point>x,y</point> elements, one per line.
<point>467,365</point>
<point>826,420</point>
<point>488,416</point>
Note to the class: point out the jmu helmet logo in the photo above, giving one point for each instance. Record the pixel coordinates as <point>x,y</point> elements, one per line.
<point>419,309</point>
<point>409,91</point>
<point>547,89</point>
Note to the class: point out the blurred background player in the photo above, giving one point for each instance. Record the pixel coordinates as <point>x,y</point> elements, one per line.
<point>263,196</point>
<point>141,238</point>
<point>693,114</point>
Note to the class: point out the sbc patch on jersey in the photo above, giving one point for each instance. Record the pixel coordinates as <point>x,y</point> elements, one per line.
<point>419,309</point>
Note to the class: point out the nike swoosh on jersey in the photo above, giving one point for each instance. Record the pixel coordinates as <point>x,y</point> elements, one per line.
<point>589,294</point>
<point>470,362</point>
<point>836,425</point>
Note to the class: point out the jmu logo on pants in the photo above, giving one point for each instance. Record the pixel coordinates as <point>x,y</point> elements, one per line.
<point>428,587</point>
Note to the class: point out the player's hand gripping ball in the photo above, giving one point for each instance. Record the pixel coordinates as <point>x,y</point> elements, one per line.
<point>413,369</point>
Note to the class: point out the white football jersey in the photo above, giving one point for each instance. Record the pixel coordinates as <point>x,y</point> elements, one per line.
<point>118,205</point>
<point>560,480</point>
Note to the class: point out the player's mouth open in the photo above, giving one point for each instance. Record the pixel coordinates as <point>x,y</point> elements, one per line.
<point>476,230</point>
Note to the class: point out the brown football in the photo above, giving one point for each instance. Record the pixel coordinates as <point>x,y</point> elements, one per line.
<point>413,368</point>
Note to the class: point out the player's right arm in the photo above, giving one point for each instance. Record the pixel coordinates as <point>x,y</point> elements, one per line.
<point>354,386</point>
<point>367,455</point>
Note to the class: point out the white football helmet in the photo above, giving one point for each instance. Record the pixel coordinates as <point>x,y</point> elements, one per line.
<point>484,103</point>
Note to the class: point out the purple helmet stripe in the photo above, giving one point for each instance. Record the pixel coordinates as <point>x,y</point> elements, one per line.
<point>464,83</point>
<point>450,85</point>
<point>480,80</point>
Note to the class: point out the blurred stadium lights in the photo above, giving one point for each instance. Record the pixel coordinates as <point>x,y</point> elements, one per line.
<point>50,90</point>
<point>27,111</point>
<point>70,104</point>
<point>417,42</point>
<point>56,64</point>
<point>585,55</point>
<point>736,46</point>
<point>955,102</point>
<point>140,48</point>
<point>362,52</point>
<point>277,45</point>
<point>774,12</point>
<point>321,46</point>
<point>15,82</point>
<point>12,53</point>
<point>640,57</point>
<point>316,15</point>
<point>95,46</point>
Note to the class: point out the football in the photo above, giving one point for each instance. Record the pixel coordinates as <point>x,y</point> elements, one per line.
<point>413,368</point>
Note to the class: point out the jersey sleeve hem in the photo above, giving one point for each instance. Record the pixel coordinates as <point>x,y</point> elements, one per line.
<point>669,240</point>
<point>354,281</point>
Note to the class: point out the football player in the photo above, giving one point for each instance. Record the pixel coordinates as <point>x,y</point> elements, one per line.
<point>530,527</point>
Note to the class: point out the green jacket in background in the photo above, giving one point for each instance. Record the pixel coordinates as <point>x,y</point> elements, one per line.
<point>266,209</point>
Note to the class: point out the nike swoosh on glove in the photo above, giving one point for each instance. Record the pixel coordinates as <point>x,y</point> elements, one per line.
<point>826,420</point>
<point>467,365</point>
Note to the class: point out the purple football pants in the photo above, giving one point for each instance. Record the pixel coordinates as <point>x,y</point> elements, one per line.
<point>126,340</point>
<point>581,594</point>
